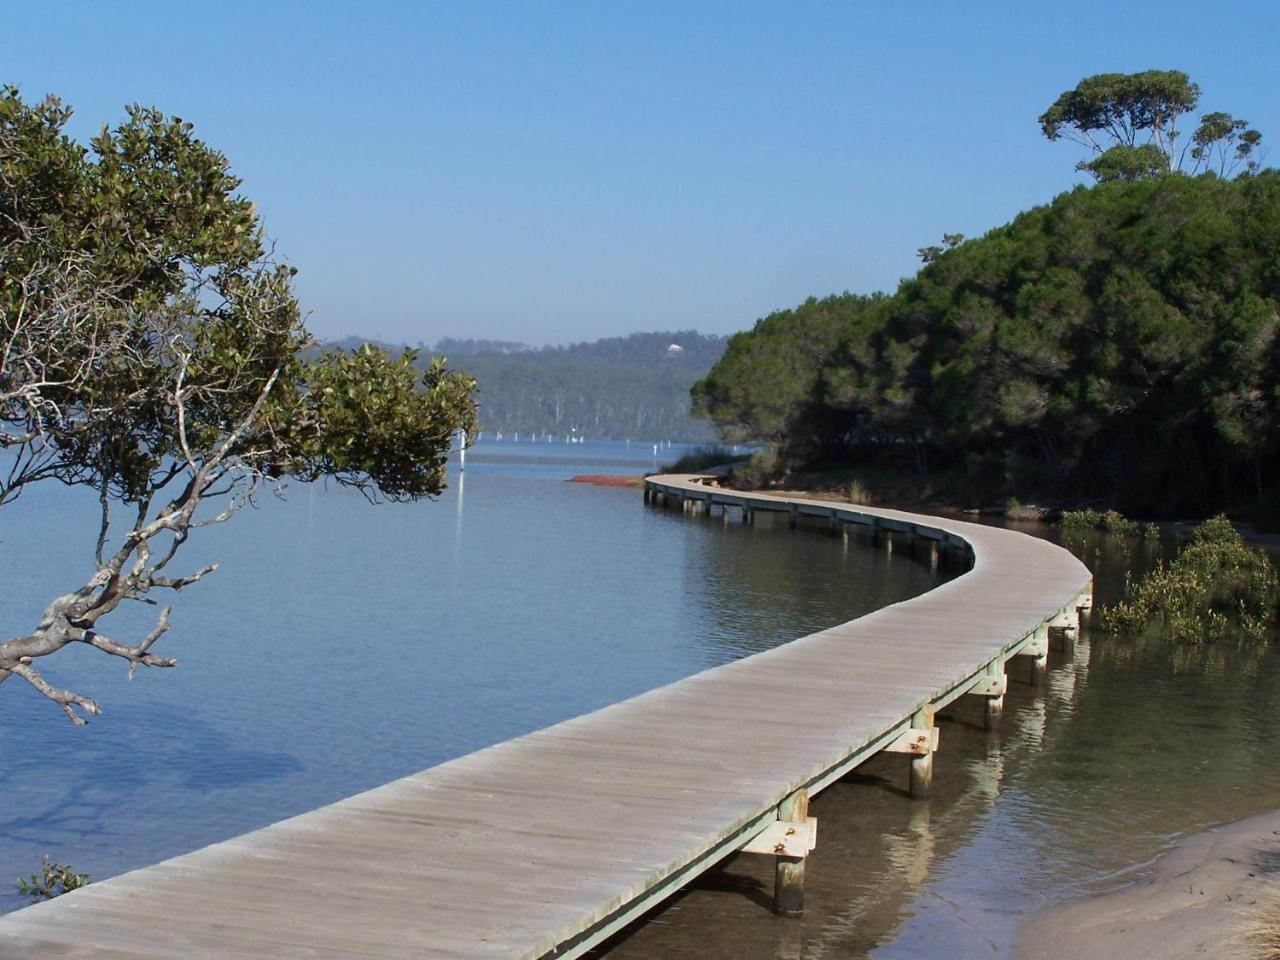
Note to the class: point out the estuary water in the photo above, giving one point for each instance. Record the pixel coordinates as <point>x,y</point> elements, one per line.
<point>1129,747</point>
<point>341,645</point>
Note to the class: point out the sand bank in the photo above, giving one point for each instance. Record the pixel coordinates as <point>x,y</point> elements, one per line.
<point>1197,902</point>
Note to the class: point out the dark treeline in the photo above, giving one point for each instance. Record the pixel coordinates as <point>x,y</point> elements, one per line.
<point>1116,346</point>
<point>634,387</point>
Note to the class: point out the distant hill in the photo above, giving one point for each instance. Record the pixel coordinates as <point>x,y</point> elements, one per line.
<point>634,387</point>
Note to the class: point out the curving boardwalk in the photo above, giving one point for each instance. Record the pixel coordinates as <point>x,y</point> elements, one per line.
<point>544,845</point>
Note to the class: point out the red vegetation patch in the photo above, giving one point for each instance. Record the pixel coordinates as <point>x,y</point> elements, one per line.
<point>607,480</point>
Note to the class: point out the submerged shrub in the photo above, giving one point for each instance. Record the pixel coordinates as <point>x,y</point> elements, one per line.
<point>1216,587</point>
<point>1080,519</point>
<point>53,880</point>
<point>1112,522</point>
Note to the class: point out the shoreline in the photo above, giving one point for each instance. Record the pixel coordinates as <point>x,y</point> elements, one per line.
<point>1198,900</point>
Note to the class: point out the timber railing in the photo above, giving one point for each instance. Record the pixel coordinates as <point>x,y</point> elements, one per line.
<point>546,845</point>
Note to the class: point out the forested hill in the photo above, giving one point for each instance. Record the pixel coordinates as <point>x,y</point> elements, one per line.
<point>634,387</point>
<point>1119,345</point>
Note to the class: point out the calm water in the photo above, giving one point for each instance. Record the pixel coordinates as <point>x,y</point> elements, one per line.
<point>1128,748</point>
<point>342,645</point>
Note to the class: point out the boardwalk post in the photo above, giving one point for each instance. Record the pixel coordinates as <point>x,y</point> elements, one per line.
<point>1062,631</point>
<point>994,705</point>
<point>922,766</point>
<point>788,872</point>
<point>795,513</point>
<point>1084,603</point>
<point>1038,650</point>
<point>746,514</point>
<point>934,553</point>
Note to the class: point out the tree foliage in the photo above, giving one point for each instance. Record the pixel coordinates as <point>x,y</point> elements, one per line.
<point>1118,344</point>
<point>152,353</point>
<point>768,385</point>
<point>1129,122</point>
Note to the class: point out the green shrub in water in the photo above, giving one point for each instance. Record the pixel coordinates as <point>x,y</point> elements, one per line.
<point>1111,522</point>
<point>53,880</point>
<point>1215,588</point>
<point>1080,519</point>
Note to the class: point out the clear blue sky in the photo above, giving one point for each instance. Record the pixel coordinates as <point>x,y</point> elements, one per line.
<point>550,172</point>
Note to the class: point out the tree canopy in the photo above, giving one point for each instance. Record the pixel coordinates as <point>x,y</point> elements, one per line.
<point>1129,123</point>
<point>153,354</point>
<point>1118,344</point>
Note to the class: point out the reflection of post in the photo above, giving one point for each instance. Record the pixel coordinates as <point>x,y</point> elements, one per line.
<point>988,773</point>
<point>788,941</point>
<point>1032,721</point>
<point>457,522</point>
<point>922,854</point>
<point>462,450</point>
<point>911,853</point>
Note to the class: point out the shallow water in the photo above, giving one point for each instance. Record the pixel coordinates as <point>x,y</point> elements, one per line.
<point>1129,747</point>
<point>341,645</point>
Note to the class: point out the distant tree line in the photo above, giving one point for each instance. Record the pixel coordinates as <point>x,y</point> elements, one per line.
<point>633,387</point>
<point>1117,345</point>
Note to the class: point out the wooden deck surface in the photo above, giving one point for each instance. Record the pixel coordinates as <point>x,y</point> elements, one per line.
<point>544,845</point>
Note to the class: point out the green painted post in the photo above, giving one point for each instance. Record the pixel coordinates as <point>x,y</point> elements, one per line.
<point>922,766</point>
<point>994,706</point>
<point>1040,663</point>
<point>788,872</point>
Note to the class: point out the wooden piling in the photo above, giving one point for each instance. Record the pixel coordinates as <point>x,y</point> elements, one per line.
<point>922,765</point>
<point>1040,661</point>
<point>994,706</point>
<point>788,872</point>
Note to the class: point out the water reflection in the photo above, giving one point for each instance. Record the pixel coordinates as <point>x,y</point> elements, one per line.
<point>340,646</point>
<point>1129,746</point>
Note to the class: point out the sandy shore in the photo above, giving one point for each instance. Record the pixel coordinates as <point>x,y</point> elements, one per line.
<point>1197,903</point>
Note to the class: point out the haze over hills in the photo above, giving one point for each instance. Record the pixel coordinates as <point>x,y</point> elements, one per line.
<point>623,388</point>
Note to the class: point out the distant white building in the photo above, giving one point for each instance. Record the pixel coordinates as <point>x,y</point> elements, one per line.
<point>675,348</point>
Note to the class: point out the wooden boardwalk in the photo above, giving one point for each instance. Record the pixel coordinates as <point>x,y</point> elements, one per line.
<point>545,845</point>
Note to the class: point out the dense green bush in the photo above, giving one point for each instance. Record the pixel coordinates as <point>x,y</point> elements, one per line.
<point>1111,522</point>
<point>1215,588</point>
<point>1118,344</point>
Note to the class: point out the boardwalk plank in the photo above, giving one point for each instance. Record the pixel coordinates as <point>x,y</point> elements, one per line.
<point>544,843</point>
